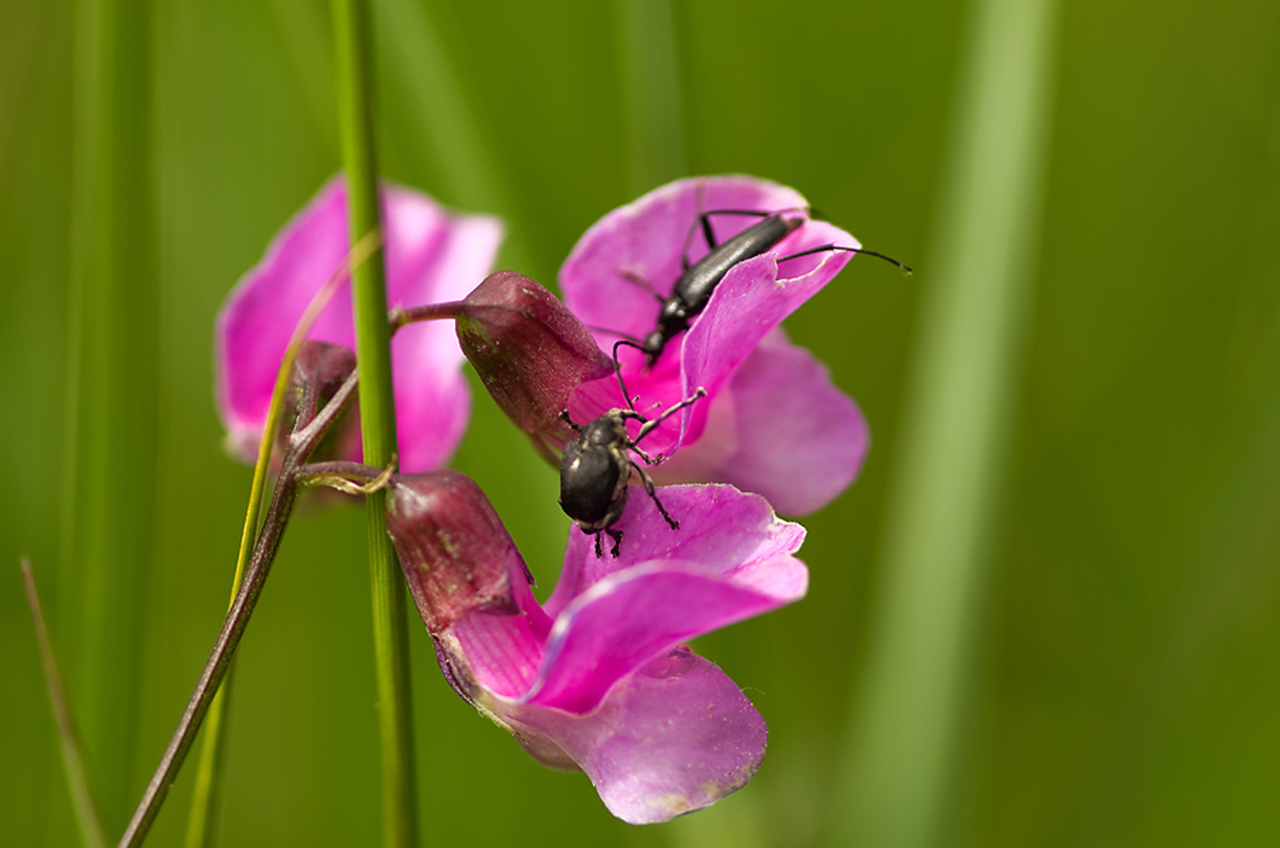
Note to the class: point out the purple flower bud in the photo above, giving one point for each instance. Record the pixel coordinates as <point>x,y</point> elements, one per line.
<point>600,678</point>
<point>531,352</point>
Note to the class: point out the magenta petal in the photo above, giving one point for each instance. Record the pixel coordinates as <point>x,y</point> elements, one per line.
<point>728,532</point>
<point>780,395</point>
<point>730,559</point>
<point>678,737</point>
<point>431,256</point>
<point>625,621</point>
<point>599,679</point>
<point>752,299</point>
<point>644,239</point>
<point>256,322</point>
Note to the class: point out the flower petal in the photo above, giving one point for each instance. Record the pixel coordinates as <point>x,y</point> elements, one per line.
<point>730,559</point>
<point>781,395</point>
<point>677,736</point>
<point>725,531</point>
<point>644,240</point>
<point>430,256</point>
<point>625,621</point>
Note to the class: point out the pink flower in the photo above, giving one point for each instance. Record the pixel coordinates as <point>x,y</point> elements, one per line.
<point>773,422</point>
<point>599,678</point>
<point>431,256</point>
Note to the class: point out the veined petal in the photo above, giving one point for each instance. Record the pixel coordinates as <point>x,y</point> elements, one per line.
<point>625,621</point>
<point>780,395</point>
<point>679,736</point>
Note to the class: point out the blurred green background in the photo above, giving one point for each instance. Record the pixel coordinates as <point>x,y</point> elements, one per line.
<point>1122,683</point>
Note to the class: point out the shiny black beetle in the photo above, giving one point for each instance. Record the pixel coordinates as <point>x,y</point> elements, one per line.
<point>695,285</point>
<point>595,469</point>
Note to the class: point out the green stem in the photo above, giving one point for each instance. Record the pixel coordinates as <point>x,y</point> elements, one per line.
<point>904,760</point>
<point>301,444</point>
<point>377,421</point>
<point>109,453</point>
<point>206,798</point>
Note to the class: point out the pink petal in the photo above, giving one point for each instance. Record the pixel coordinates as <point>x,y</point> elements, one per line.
<point>431,256</point>
<point>726,531</point>
<point>608,687</point>
<point>677,736</point>
<point>645,239</point>
<point>780,396</point>
<point>626,621</point>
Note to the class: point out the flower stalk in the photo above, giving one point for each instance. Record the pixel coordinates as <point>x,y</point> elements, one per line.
<point>303,441</point>
<point>206,798</point>
<point>351,21</point>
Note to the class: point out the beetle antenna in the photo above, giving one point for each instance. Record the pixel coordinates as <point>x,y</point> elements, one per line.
<point>617,369</point>
<point>889,259</point>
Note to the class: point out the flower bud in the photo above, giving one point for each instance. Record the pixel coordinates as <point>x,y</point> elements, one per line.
<point>319,370</point>
<point>321,367</point>
<point>456,555</point>
<point>531,352</point>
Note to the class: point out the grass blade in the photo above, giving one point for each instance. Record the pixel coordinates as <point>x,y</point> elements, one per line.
<point>91,830</point>
<point>901,763</point>
<point>377,422</point>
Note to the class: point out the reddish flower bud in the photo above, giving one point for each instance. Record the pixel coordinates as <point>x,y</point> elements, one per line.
<point>531,352</point>
<point>456,555</point>
<point>322,367</point>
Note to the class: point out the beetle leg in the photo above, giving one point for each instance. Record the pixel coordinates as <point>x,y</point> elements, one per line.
<point>599,550</point>
<point>616,536</point>
<point>648,487</point>
<point>648,427</point>
<point>645,456</point>
<point>564,413</point>
<point>703,222</point>
<point>635,279</point>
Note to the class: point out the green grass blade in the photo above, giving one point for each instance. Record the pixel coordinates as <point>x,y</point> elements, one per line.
<point>91,829</point>
<point>377,421</point>
<point>902,761</point>
<point>109,451</point>
<point>650,73</point>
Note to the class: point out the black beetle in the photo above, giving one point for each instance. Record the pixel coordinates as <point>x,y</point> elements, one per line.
<point>695,285</point>
<point>595,469</point>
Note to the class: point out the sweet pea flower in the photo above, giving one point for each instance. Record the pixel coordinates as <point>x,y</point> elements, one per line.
<point>599,677</point>
<point>431,255</point>
<point>773,421</point>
